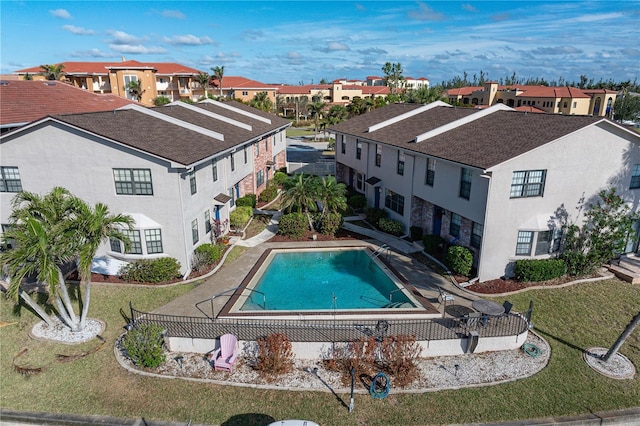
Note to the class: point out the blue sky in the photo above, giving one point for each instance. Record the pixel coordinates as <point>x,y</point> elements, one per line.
<point>304,41</point>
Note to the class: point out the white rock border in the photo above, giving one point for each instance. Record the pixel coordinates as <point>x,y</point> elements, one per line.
<point>60,333</point>
<point>618,367</point>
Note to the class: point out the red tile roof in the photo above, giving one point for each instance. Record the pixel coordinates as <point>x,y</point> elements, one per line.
<point>530,108</point>
<point>24,101</point>
<point>164,68</point>
<point>235,82</point>
<point>307,88</point>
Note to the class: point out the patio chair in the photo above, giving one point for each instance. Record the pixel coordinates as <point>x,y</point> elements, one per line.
<point>444,297</point>
<point>227,355</point>
<point>507,307</point>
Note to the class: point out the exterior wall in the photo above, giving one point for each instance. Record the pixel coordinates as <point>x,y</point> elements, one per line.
<point>51,156</point>
<point>578,166</point>
<point>245,95</point>
<point>147,80</point>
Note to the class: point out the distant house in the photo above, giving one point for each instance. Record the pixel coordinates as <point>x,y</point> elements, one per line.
<point>556,100</point>
<point>234,87</point>
<point>25,101</point>
<point>495,180</point>
<point>177,170</point>
<point>337,92</point>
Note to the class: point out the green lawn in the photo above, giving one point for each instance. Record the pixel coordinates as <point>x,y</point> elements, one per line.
<point>571,319</point>
<point>293,132</point>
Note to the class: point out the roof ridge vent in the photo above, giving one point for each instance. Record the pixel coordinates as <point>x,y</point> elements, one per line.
<point>406,115</point>
<point>212,115</point>
<point>238,110</point>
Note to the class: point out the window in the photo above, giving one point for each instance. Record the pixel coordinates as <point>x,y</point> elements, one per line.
<point>192,182</point>
<point>635,177</point>
<point>133,181</point>
<point>10,179</point>
<point>400,163</point>
<point>523,246</point>
<point>358,150</point>
<point>134,239</point>
<point>455,224</point>
<point>431,172</point>
<point>245,93</point>
<point>129,79</point>
<point>245,155</point>
<point>548,241</point>
<point>476,235</point>
<point>528,183</point>
<point>153,238</point>
<point>575,104</point>
<point>214,169</point>
<point>343,146</point>
<point>233,162</point>
<point>207,221</point>
<point>259,178</point>
<point>394,202</point>
<point>194,231</point>
<point>465,183</point>
<point>378,155</point>
<point>266,145</point>
<point>360,182</point>
<point>257,149</point>
<point>232,194</point>
<point>115,245</point>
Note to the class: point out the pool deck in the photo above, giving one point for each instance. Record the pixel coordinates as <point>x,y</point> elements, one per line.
<point>231,275</point>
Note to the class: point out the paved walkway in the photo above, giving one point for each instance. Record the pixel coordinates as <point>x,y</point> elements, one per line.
<point>230,276</point>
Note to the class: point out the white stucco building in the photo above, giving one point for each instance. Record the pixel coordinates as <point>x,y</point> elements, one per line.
<point>498,181</point>
<point>175,169</point>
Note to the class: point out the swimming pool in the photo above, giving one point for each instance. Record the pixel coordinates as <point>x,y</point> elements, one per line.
<point>323,281</point>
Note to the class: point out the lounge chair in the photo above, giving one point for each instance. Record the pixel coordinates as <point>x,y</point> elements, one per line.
<point>227,355</point>
<point>444,297</point>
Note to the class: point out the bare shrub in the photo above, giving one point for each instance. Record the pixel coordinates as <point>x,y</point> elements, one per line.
<point>358,354</point>
<point>399,355</point>
<point>275,356</point>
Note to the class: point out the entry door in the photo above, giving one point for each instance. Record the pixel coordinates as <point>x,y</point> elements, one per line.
<point>377,192</point>
<point>437,220</point>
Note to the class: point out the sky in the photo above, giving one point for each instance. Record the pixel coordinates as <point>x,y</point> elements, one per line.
<point>303,42</point>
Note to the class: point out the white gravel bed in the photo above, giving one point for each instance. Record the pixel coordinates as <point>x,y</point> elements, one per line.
<point>436,373</point>
<point>62,334</point>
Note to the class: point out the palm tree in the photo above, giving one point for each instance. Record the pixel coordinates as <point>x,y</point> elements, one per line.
<point>204,79</point>
<point>52,72</point>
<point>332,195</point>
<point>425,95</point>
<point>262,102</point>
<point>95,225</point>
<point>134,87</point>
<point>316,109</point>
<point>301,193</point>
<point>218,74</point>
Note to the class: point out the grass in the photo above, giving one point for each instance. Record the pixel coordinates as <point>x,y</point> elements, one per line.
<point>293,132</point>
<point>571,319</point>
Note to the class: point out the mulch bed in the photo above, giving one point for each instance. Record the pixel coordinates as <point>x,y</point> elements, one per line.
<point>509,285</point>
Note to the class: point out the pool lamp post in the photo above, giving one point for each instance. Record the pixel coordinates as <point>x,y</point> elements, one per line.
<point>353,378</point>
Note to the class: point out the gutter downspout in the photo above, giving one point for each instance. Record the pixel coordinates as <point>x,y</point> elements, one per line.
<point>186,249</point>
<point>486,175</point>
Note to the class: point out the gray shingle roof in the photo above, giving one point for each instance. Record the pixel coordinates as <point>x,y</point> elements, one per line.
<point>166,140</point>
<point>482,143</point>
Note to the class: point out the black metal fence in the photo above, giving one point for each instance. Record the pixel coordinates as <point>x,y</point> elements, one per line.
<point>338,330</point>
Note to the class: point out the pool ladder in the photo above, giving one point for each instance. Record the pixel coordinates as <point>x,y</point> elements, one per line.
<point>383,249</point>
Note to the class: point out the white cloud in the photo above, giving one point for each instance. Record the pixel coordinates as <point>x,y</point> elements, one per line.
<point>136,48</point>
<point>61,13</point>
<point>176,14</point>
<point>120,37</point>
<point>469,8</point>
<point>558,50</point>
<point>77,30</point>
<point>425,13</point>
<point>91,53</point>
<point>335,46</point>
<point>188,40</point>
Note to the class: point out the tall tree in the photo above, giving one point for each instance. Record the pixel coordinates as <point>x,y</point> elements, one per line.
<point>262,102</point>
<point>52,72</point>
<point>316,109</point>
<point>393,77</point>
<point>218,74</point>
<point>204,80</point>
<point>425,95</point>
<point>49,232</point>
<point>626,107</point>
<point>301,193</point>
<point>94,225</point>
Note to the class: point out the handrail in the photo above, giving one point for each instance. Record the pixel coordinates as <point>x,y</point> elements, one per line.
<point>264,300</point>
<point>380,250</point>
<point>391,294</point>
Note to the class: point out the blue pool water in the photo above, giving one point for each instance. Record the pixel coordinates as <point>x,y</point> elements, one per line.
<point>324,280</point>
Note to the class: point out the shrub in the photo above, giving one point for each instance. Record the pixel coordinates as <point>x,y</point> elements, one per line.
<point>161,100</point>
<point>391,226</point>
<point>416,233</point>
<point>279,178</point>
<point>432,243</point>
<point>359,354</point>
<point>330,223</point>
<point>143,344</point>
<point>207,254</point>
<point>274,355</point>
<point>459,259</point>
<point>357,201</point>
<point>151,270</point>
<point>240,216</point>
<point>399,355</point>
<point>374,215</point>
<point>293,225</point>
<point>539,269</point>
<point>270,192</point>
<point>248,200</point>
